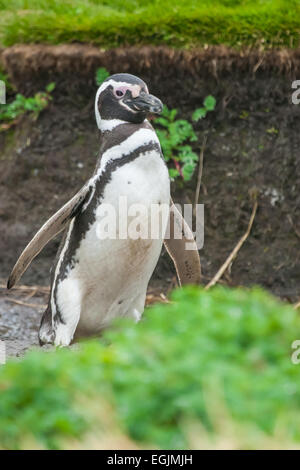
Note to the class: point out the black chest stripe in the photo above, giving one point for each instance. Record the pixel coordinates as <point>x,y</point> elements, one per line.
<point>84,220</point>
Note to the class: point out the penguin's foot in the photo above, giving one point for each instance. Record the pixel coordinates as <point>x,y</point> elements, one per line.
<point>46,335</point>
<point>63,336</point>
<point>137,315</point>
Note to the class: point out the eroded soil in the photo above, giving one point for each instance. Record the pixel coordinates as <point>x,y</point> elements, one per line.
<point>253,143</point>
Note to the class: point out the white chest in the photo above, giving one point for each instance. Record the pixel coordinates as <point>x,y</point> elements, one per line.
<point>113,268</point>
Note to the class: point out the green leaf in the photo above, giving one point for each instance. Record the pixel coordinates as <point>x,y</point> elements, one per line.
<point>173,114</point>
<point>162,121</point>
<point>188,170</point>
<point>50,87</point>
<point>173,173</point>
<point>199,113</point>
<point>101,75</point>
<point>210,103</point>
<point>165,112</point>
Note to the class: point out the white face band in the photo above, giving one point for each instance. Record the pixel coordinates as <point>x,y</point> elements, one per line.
<point>109,124</point>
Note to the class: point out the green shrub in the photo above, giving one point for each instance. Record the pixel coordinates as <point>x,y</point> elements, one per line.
<point>175,136</point>
<point>21,104</point>
<point>222,345</point>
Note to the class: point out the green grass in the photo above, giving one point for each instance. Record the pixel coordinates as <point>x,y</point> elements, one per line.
<point>217,360</point>
<point>110,23</point>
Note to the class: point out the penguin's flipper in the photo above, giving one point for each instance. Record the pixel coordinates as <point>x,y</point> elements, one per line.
<point>49,230</point>
<point>186,261</point>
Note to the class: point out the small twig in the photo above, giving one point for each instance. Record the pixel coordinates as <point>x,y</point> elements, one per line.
<point>234,252</point>
<point>164,298</point>
<point>152,298</point>
<point>293,226</point>
<point>208,278</point>
<point>35,289</point>
<point>25,304</point>
<point>256,67</point>
<point>200,172</point>
<point>178,167</point>
<point>31,294</point>
<point>8,125</point>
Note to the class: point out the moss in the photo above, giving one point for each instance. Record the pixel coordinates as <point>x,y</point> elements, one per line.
<point>110,23</point>
<point>8,143</point>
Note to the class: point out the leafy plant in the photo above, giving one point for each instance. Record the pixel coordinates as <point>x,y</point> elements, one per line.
<point>101,75</point>
<point>272,130</point>
<point>176,136</point>
<point>209,104</point>
<point>171,371</point>
<point>21,104</point>
<point>4,78</point>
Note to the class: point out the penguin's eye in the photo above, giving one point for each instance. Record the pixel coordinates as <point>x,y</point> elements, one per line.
<point>120,92</point>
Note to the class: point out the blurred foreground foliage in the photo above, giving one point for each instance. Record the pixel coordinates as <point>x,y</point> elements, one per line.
<point>205,359</point>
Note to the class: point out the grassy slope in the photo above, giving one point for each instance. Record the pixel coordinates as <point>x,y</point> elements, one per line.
<point>181,23</point>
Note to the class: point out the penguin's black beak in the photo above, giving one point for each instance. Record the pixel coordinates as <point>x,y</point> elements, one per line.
<point>145,102</point>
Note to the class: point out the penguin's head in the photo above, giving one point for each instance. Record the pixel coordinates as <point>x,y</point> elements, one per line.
<point>124,98</point>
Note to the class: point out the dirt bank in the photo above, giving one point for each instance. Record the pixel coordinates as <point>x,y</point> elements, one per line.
<point>253,144</point>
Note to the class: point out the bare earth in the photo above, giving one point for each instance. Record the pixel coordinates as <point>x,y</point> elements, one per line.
<point>21,310</point>
<point>252,147</point>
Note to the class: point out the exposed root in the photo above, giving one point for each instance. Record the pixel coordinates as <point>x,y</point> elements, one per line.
<point>35,289</point>
<point>297,233</point>
<point>43,63</point>
<point>154,295</point>
<point>200,172</point>
<point>235,251</point>
<point>25,304</point>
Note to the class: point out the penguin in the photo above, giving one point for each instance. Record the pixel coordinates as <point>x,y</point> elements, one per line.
<point>96,279</point>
